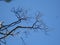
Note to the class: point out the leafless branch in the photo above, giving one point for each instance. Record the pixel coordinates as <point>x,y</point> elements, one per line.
<point>21,15</point>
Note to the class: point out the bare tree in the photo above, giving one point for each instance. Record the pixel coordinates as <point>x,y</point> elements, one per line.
<point>21,16</point>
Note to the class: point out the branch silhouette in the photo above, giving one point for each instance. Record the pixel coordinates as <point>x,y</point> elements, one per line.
<point>21,16</point>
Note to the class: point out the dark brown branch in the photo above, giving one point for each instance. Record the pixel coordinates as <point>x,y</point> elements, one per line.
<point>13,30</point>
<point>12,24</point>
<point>19,13</point>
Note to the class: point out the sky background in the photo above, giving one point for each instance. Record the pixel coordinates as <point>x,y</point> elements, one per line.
<point>51,17</point>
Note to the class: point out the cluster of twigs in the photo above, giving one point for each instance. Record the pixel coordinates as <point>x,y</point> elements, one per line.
<point>21,16</point>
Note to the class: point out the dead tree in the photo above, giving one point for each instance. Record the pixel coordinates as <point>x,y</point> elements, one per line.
<point>21,16</point>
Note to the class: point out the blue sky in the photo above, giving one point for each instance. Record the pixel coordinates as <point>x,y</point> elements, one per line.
<point>51,16</point>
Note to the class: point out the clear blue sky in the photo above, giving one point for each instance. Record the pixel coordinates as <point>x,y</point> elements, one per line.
<point>51,16</point>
